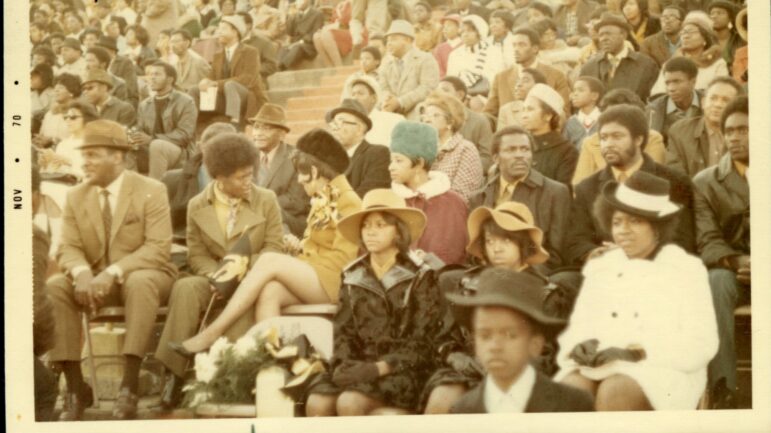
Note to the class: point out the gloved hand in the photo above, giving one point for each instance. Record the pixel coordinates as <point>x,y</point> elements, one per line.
<point>465,364</point>
<point>584,352</point>
<point>615,353</point>
<point>350,372</point>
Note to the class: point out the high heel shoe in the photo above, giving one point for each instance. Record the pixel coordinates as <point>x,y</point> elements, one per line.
<point>180,350</point>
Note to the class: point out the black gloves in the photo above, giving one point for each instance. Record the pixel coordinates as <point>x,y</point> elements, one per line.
<point>586,354</point>
<point>350,372</point>
<point>583,353</point>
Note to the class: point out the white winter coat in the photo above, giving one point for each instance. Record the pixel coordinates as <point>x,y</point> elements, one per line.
<point>663,305</point>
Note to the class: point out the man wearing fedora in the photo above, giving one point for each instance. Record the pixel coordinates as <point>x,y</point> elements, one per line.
<point>122,67</point>
<point>517,180</point>
<point>300,27</point>
<point>99,58</point>
<point>349,123</point>
<point>509,328</point>
<point>366,90</point>
<point>623,132</point>
<point>165,128</point>
<point>235,73</point>
<point>115,249</point>
<point>275,169</point>
<point>96,90</point>
<point>616,65</point>
<point>410,76</point>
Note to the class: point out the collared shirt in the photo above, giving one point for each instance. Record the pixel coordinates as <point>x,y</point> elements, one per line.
<point>114,189</point>
<point>513,400</point>
<point>351,150</point>
<point>99,108</point>
<point>222,207</point>
<point>623,175</point>
<point>741,168</point>
<point>505,190</point>
<point>520,67</point>
<point>268,157</point>
<point>672,107</point>
<point>380,271</point>
<point>672,47</point>
<point>588,120</point>
<point>229,52</point>
<point>615,60</point>
<point>717,147</point>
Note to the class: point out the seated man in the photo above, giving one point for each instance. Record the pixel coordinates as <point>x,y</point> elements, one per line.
<point>349,123</point>
<point>191,67</point>
<point>115,248</point>
<point>184,183</point>
<point>681,100</point>
<point>235,73</point>
<point>366,90</point>
<point>165,127</point>
<point>722,207</point>
<point>122,67</point>
<point>226,209</point>
<point>276,171</point>
<point>300,27</point>
<point>517,180</point>
<point>99,58</point>
<point>510,328</point>
<point>97,91</point>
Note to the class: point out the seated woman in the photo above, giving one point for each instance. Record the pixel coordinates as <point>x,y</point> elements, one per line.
<point>458,158</point>
<point>510,113</point>
<point>643,329</point>
<point>279,280</point>
<point>542,115</point>
<point>64,158</point>
<point>390,308</point>
<point>504,237</point>
<point>640,20</point>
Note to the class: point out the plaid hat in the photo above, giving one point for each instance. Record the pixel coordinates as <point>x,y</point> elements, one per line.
<point>415,140</point>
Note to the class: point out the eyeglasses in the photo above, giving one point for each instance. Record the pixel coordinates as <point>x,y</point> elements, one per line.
<point>669,17</point>
<point>688,33</point>
<point>72,117</point>
<point>89,88</point>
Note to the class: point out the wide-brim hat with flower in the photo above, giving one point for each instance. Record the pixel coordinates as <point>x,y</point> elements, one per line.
<point>511,216</point>
<point>501,287</point>
<point>383,200</point>
<point>324,146</point>
<point>643,194</point>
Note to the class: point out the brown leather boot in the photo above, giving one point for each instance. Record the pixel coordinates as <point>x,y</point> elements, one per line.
<point>126,405</point>
<point>75,403</point>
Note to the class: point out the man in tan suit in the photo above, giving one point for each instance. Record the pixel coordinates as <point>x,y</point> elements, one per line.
<point>217,217</point>
<point>526,45</point>
<point>115,249</point>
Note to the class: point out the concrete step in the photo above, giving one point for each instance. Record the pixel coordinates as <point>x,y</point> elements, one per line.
<point>305,78</point>
<point>306,115</point>
<point>337,80</point>
<point>300,128</point>
<point>323,91</point>
<point>313,102</point>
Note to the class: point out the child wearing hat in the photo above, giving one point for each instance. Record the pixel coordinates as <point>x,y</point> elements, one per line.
<point>504,238</point>
<point>390,310</point>
<point>509,329</point>
<point>413,150</point>
<point>313,277</point>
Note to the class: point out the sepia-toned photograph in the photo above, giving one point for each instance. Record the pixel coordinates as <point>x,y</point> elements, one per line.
<point>387,215</point>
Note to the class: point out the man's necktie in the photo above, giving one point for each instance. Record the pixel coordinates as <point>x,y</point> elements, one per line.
<point>107,221</point>
<point>232,215</point>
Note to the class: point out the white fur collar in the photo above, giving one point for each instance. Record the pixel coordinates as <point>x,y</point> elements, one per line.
<point>438,183</point>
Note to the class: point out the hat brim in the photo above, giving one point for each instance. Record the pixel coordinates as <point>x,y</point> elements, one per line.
<point>332,113</point>
<point>740,28</point>
<point>662,214</point>
<point>463,305</point>
<point>116,146</point>
<point>256,119</point>
<point>350,226</point>
<point>99,81</point>
<point>507,222</point>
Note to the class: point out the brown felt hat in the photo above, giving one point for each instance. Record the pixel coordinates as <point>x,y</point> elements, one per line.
<point>273,115</point>
<point>383,200</point>
<point>511,216</point>
<point>105,133</point>
<point>99,76</point>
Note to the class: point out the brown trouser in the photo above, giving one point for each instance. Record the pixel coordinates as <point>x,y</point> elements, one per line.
<point>189,299</point>
<point>141,293</point>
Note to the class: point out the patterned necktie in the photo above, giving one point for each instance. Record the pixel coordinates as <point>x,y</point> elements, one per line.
<point>262,173</point>
<point>232,215</point>
<point>107,221</point>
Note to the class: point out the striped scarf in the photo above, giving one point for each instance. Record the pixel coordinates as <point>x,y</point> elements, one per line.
<point>476,72</point>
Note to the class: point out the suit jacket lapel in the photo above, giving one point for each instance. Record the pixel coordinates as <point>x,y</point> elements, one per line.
<point>206,219</point>
<point>541,398</point>
<point>247,220</point>
<point>236,58</point>
<point>279,159</point>
<point>93,212</point>
<point>123,203</point>
<point>409,65</point>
